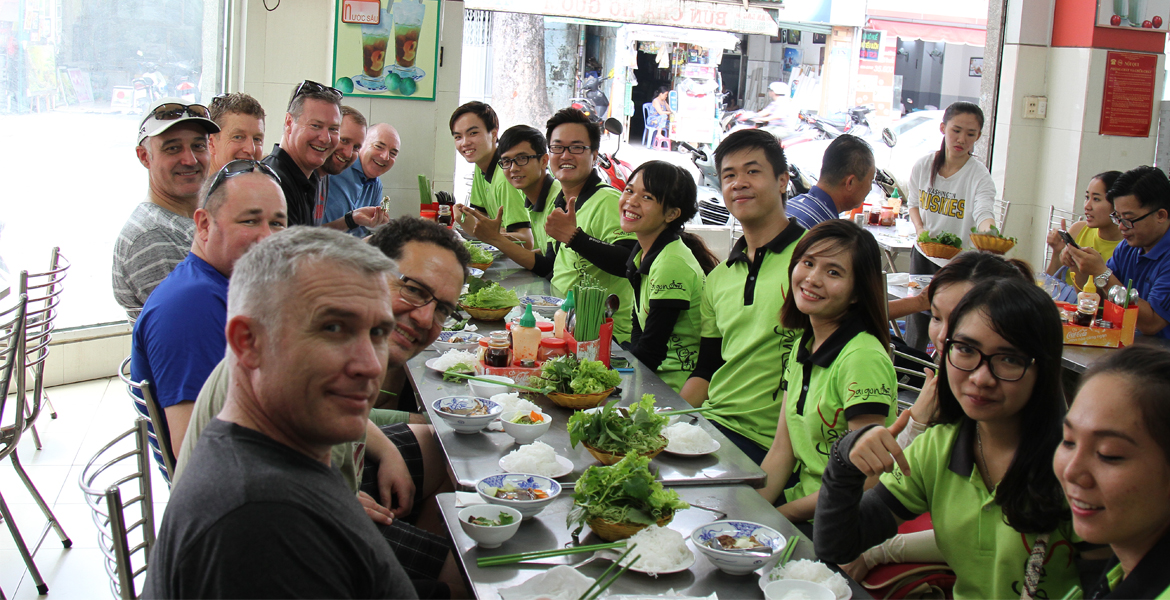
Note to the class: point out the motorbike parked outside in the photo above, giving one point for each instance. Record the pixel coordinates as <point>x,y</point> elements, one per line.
<point>594,103</point>
<point>614,171</point>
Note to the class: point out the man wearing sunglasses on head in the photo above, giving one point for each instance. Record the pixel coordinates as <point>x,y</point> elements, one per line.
<point>179,337</point>
<point>172,145</point>
<point>312,131</point>
<point>1141,209</point>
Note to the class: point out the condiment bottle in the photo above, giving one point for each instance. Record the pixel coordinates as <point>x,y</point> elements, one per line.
<point>551,347</point>
<point>546,329</point>
<point>1087,303</point>
<point>482,350</point>
<point>561,317</point>
<point>498,353</point>
<point>525,337</point>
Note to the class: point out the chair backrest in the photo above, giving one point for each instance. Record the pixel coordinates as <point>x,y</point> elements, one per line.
<point>1055,216</point>
<point>147,406</point>
<point>907,400</point>
<point>12,375</point>
<point>646,108</point>
<point>44,295</point>
<point>116,485</point>
<point>1000,212</point>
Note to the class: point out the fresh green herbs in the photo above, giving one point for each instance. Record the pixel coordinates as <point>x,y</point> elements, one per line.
<point>504,519</point>
<point>993,231</point>
<point>455,325</point>
<point>590,301</point>
<point>479,255</point>
<point>612,431</point>
<point>945,238</point>
<point>457,369</point>
<point>491,295</point>
<point>566,375</point>
<point>622,493</point>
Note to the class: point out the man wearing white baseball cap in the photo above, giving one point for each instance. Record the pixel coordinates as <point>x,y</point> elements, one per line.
<point>778,112</point>
<point>172,145</point>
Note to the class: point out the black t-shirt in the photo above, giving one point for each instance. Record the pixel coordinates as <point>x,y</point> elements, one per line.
<point>300,192</point>
<point>253,518</point>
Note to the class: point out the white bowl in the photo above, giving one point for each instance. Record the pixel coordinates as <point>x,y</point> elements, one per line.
<point>489,536</point>
<point>444,342</point>
<point>483,389</point>
<point>737,563</point>
<point>524,434</point>
<point>466,423</point>
<point>527,508</point>
<point>778,590</point>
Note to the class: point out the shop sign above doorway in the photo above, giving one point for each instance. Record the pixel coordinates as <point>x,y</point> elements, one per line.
<point>693,14</point>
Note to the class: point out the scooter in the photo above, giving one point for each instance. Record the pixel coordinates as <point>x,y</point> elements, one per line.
<point>614,171</point>
<point>595,104</point>
<point>852,121</point>
<point>711,208</point>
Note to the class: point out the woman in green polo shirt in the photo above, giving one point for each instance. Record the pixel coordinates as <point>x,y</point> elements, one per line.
<point>842,377</point>
<point>982,472</point>
<point>666,269</point>
<point>1114,466</point>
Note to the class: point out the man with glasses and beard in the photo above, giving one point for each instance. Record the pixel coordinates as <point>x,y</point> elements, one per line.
<point>312,131</point>
<point>1141,209</point>
<point>172,145</point>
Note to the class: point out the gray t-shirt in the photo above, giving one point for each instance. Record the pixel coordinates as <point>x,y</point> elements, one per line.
<point>253,518</point>
<point>152,241</point>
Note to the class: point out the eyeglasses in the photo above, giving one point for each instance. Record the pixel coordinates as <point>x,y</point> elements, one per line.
<point>312,87</point>
<point>571,149</point>
<point>1127,223</point>
<point>173,111</point>
<point>520,161</point>
<point>1004,367</point>
<point>417,295</point>
<point>237,167</point>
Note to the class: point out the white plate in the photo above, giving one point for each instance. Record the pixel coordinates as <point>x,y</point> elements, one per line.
<point>433,361</point>
<point>712,450</point>
<point>679,569</point>
<point>765,580</point>
<point>565,464</point>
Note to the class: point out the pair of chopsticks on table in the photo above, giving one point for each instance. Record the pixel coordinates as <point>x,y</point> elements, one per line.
<point>667,413</point>
<point>590,593</point>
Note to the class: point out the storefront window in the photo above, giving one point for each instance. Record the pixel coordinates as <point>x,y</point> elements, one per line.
<point>75,78</point>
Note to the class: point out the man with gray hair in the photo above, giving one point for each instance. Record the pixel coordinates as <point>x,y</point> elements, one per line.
<point>847,171</point>
<point>259,512</point>
<point>358,188</point>
<point>179,337</point>
<point>354,219</point>
<point>312,131</point>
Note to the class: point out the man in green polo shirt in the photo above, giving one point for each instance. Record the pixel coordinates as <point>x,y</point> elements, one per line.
<point>524,160</point>
<point>475,127</point>
<point>743,351</point>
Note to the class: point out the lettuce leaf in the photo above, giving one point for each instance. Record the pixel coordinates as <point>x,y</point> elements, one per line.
<point>626,492</point>
<point>492,295</point>
<point>478,254</point>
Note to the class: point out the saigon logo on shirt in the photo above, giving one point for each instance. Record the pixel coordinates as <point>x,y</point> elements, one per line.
<point>943,203</point>
<point>658,288</point>
<point>881,393</point>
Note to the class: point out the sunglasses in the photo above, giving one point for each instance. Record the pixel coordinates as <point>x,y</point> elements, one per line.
<point>237,167</point>
<point>312,87</point>
<point>175,111</point>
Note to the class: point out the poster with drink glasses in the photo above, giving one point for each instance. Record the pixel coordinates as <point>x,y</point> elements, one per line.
<point>1130,14</point>
<point>387,48</point>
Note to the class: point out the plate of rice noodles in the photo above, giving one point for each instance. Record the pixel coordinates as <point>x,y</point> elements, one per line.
<point>688,440</point>
<point>537,458</point>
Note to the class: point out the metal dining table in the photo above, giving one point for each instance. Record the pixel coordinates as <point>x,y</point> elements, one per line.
<point>892,240</point>
<point>475,456</point>
<point>548,530</point>
<point>1078,359</point>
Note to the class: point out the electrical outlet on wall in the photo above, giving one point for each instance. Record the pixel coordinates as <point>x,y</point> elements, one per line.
<point>1035,107</point>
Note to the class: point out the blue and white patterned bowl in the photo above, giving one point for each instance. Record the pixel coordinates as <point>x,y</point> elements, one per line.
<point>463,423</point>
<point>527,508</point>
<point>737,563</point>
<point>471,341</point>
<point>549,306</point>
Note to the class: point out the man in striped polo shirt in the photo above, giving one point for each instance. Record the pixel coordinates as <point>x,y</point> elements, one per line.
<point>847,170</point>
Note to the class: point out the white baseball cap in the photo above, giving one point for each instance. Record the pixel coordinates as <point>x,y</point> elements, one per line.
<point>779,88</point>
<point>165,113</point>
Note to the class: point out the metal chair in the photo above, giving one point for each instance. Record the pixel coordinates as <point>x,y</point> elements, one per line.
<point>1055,216</point>
<point>147,406</point>
<point>908,394</point>
<point>103,483</point>
<point>44,294</point>
<point>12,351</point>
<point>1000,212</point>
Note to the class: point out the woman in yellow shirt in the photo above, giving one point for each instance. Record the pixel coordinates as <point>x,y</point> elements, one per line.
<point>1097,231</point>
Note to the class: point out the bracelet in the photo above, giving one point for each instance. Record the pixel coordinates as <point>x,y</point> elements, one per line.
<point>349,222</point>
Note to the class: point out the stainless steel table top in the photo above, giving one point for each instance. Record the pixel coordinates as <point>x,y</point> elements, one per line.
<point>548,530</point>
<point>1079,358</point>
<point>474,456</point>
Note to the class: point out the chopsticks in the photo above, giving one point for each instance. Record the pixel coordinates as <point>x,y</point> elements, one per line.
<point>511,385</point>
<point>788,551</point>
<point>507,559</point>
<point>597,594</point>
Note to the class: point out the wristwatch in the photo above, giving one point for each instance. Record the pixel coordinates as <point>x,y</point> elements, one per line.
<point>1103,279</point>
<point>349,222</point>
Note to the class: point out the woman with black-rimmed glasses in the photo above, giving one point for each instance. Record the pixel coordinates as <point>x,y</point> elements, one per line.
<point>982,471</point>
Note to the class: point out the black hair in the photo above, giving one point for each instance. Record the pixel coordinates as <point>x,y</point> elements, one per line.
<point>673,187</point>
<point>571,115</point>
<point>753,139</point>
<point>974,266</point>
<point>1029,494</point>
<point>868,284</point>
<point>391,237</point>
<point>485,113</point>
<point>661,89</point>
<point>952,111</point>
<point>1147,371</point>
<point>522,133</point>
<point>1148,184</point>
<point>847,155</point>
<point>1107,179</point>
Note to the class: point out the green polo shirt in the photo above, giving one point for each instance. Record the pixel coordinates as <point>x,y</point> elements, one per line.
<point>670,277</point>
<point>597,215</point>
<point>741,308</point>
<point>988,557</point>
<point>491,190</point>
<point>538,212</point>
<point>848,376</point>
<point>1148,579</point>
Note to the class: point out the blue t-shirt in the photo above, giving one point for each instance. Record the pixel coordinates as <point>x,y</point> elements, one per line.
<point>179,337</point>
<point>812,208</point>
<point>1150,272</point>
<point>351,190</point>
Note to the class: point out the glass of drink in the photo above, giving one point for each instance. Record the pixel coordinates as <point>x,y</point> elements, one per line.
<point>1121,9</point>
<point>375,41</point>
<point>1137,12</point>
<point>408,20</point>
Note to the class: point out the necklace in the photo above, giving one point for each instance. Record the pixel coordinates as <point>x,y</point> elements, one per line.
<point>986,469</point>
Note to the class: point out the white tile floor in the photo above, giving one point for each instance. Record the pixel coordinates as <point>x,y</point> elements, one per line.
<point>90,414</point>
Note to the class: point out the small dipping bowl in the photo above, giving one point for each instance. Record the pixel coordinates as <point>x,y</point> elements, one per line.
<point>527,508</point>
<point>466,423</point>
<point>489,536</point>
<point>483,389</point>
<point>522,433</point>
<point>730,561</point>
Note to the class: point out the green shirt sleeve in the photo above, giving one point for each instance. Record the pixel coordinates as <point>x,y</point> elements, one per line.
<point>671,281</point>
<point>479,193</point>
<point>511,199</point>
<point>914,491</point>
<point>870,384</point>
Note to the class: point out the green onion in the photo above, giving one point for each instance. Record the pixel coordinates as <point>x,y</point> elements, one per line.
<point>590,300</point>
<point>597,594</point>
<point>789,550</point>
<point>511,385</point>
